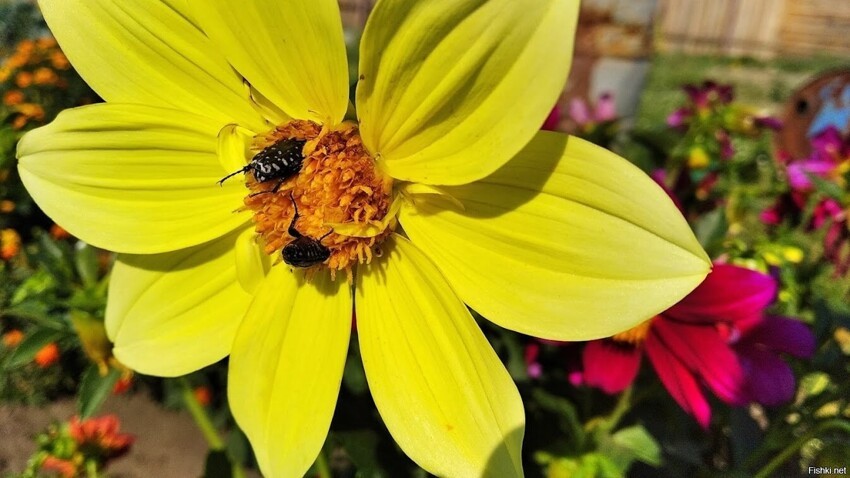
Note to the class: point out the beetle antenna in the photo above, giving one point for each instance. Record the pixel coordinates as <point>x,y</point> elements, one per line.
<point>222,180</point>
<point>326,234</point>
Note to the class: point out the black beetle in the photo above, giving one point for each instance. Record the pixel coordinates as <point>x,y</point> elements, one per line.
<point>278,161</point>
<point>303,251</point>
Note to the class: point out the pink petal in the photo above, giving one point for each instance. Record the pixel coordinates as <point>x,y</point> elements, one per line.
<point>770,381</point>
<point>579,111</point>
<point>707,355</point>
<point>799,172</point>
<point>606,108</point>
<point>677,118</point>
<point>678,380</point>
<point>729,293</point>
<point>610,366</point>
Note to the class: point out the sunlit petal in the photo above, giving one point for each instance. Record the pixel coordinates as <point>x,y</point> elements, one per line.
<point>286,368</point>
<point>439,386</point>
<point>450,90</point>
<point>292,52</point>
<point>171,314</point>
<point>131,178</point>
<point>567,241</point>
<point>148,52</point>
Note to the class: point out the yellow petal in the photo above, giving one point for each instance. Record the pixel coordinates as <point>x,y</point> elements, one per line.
<point>292,52</point>
<point>567,241</point>
<point>286,368</point>
<point>148,52</point>
<point>131,178</point>
<point>252,263</point>
<point>171,314</point>
<point>439,386</point>
<point>452,89</point>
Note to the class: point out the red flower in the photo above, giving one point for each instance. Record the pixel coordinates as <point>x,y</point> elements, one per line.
<point>716,337</point>
<point>65,468</point>
<point>100,437</point>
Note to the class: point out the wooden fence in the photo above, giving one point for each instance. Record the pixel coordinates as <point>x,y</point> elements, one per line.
<point>761,28</point>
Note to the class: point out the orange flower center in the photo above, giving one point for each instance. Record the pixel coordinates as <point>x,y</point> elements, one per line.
<point>636,335</point>
<point>337,184</point>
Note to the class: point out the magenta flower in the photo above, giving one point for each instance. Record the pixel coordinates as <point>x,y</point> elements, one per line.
<point>717,338</point>
<point>552,121</point>
<point>829,160</point>
<point>605,110</point>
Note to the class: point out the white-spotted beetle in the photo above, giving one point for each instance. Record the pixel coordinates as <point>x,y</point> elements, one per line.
<point>279,161</point>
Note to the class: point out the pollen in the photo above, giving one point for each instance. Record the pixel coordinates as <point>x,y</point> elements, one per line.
<point>634,336</point>
<point>338,184</point>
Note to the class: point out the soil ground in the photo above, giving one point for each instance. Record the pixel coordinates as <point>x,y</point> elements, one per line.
<point>168,445</point>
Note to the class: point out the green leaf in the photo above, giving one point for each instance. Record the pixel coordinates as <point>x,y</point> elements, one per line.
<point>565,410</point>
<point>94,389</point>
<point>829,188</point>
<point>217,465</point>
<point>85,259</point>
<point>633,443</point>
<point>711,228</point>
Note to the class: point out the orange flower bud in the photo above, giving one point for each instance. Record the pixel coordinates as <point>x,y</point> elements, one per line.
<point>58,233</point>
<point>6,206</point>
<point>10,244</point>
<point>122,385</point>
<point>59,60</point>
<point>13,97</point>
<point>23,79</point>
<point>203,395</point>
<point>45,76</point>
<point>12,338</point>
<point>48,355</point>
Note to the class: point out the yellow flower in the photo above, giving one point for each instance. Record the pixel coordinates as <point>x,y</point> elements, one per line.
<point>540,233</point>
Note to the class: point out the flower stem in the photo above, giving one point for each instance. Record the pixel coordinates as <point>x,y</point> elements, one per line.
<point>91,469</point>
<point>794,447</point>
<point>624,403</point>
<point>200,416</point>
<point>322,467</point>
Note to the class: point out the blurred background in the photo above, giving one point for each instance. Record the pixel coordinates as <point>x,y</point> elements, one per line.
<point>740,109</point>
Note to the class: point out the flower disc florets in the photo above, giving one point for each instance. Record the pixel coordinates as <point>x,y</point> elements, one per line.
<point>634,336</point>
<point>338,186</point>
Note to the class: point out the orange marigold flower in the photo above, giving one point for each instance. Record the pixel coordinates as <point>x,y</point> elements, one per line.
<point>48,355</point>
<point>23,79</point>
<point>25,46</point>
<point>19,122</point>
<point>12,338</point>
<point>59,60</point>
<point>65,468</point>
<point>45,76</point>
<point>45,43</point>
<point>101,435</point>
<point>13,97</point>
<point>59,233</point>
<point>6,206</point>
<point>10,244</point>
<point>31,110</point>
<point>203,395</point>
<point>5,72</point>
